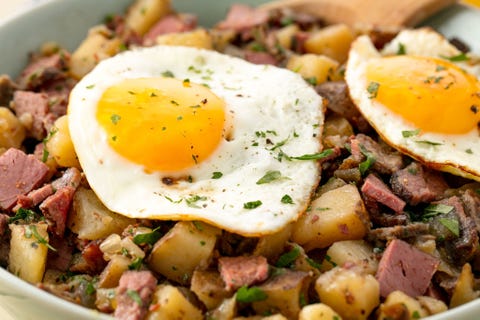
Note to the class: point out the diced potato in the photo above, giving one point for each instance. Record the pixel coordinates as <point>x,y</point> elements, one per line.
<point>199,38</point>
<point>464,288</point>
<point>186,246</point>
<point>98,45</point>
<point>143,14</point>
<point>350,292</point>
<point>336,215</point>
<point>169,303</point>
<point>336,131</point>
<point>209,288</point>
<point>357,251</point>
<point>12,131</point>
<point>398,303</point>
<point>318,311</point>
<point>221,38</point>
<point>91,220</point>
<point>110,276</point>
<point>313,67</point>
<point>333,41</point>
<point>304,263</point>
<point>105,299</point>
<point>432,305</point>
<point>28,251</point>
<point>285,293</point>
<point>285,35</point>
<point>60,146</point>
<point>226,311</point>
<point>271,246</point>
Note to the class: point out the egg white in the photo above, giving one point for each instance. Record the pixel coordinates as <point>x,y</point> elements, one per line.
<point>260,99</point>
<point>454,153</point>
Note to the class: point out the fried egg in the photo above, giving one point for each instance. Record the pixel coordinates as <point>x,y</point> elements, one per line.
<point>186,134</point>
<point>422,95</point>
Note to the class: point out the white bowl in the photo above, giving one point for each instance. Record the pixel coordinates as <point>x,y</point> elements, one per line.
<point>66,22</point>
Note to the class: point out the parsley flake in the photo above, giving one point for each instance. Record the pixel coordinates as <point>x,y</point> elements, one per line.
<point>168,74</point>
<point>147,238</point>
<point>314,156</point>
<point>217,175</point>
<point>410,133</point>
<point>31,230</point>
<point>457,58</point>
<point>191,201</point>
<point>288,258</point>
<point>401,49</point>
<point>245,294</point>
<point>373,89</point>
<point>252,204</point>
<point>115,118</point>
<point>286,199</point>
<point>270,176</point>
<point>133,294</point>
<point>451,224</point>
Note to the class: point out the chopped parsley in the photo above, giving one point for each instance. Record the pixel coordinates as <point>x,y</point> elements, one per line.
<point>217,175</point>
<point>252,204</point>
<point>90,86</point>
<point>147,238</point>
<point>373,89</point>
<point>45,153</point>
<point>367,164</point>
<point>451,224</point>
<point>191,201</point>
<point>313,263</point>
<point>270,176</point>
<point>401,49</point>
<point>31,230</point>
<point>136,264</point>
<point>252,294</point>
<point>430,143</point>
<point>469,151</point>
<point>433,210</point>
<point>168,74</point>
<point>288,258</point>
<point>312,80</point>
<point>23,214</point>
<point>410,133</point>
<point>115,118</point>
<point>133,294</point>
<point>286,199</point>
<point>457,58</point>
<point>314,156</point>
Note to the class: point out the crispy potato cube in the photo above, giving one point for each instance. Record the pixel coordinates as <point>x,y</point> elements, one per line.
<point>285,294</point>
<point>350,292</point>
<point>143,14</point>
<point>271,246</point>
<point>399,303</point>
<point>28,251</point>
<point>12,132</point>
<point>336,215</point>
<point>169,303</point>
<point>318,311</point>
<point>357,251</point>
<point>432,305</point>
<point>110,276</point>
<point>285,35</point>
<point>225,311</point>
<point>98,45</point>
<point>91,220</point>
<point>313,67</point>
<point>186,246</point>
<point>333,41</point>
<point>60,146</point>
<point>209,288</point>
<point>464,288</point>
<point>199,38</point>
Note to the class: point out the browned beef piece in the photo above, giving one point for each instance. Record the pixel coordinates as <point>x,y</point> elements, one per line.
<point>260,57</point>
<point>405,268</point>
<point>35,106</point>
<point>417,184</point>
<point>19,174</point>
<point>388,220</point>
<point>336,93</point>
<point>70,178</point>
<point>3,224</point>
<point>242,271</point>
<point>44,69</point>
<point>172,23</point>
<point>461,248</point>
<point>58,93</point>
<point>34,197</point>
<point>90,260</point>
<point>134,294</point>
<point>387,160</point>
<point>376,189</point>
<point>62,257</point>
<point>241,17</point>
<point>471,205</point>
<point>55,208</point>
<point>7,87</point>
<point>398,232</point>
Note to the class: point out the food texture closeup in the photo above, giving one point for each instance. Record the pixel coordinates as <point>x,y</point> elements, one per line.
<point>273,166</point>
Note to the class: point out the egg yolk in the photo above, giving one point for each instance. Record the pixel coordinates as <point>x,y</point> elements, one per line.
<point>164,124</point>
<point>433,94</point>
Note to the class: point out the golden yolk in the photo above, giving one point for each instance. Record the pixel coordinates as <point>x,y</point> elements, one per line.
<point>164,124</point>
<point>433,94</point>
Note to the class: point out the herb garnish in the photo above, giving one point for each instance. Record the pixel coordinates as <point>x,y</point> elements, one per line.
<point>410,133</point>
<point>168,74</point>
<point>217,175</point>
<point>286,199</point>
<point>431,143</point>
<point>245,294</point>
<point>136,264</point>
<point>373,89</point>
<point>314,156</point>
<point>252,204</point>
<point>31,230</point>
<point>401,49</point>
<point>147,238</point>
<point>133,294</point>
<point>451,224</point>
<point>457,58</point>
<point>288,258</point>
<point>270,176</point>
<point>115,118</point>
<point>191,201</point>
<point>46,153</point>
<point>23,214</point>
<point>433,210</point>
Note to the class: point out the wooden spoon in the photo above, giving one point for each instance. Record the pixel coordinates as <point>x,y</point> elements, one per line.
<point>381,13</point>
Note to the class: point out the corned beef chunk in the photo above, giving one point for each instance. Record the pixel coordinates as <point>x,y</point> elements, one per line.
<point>242,271</point>
<point>33,108</point>
<point>134,294</point>
<point>417,185</point>
<point>241,17</point>
<point>376,189</point>
<point>19,173</point>
<point>44,69</point>
<point>170,24</point>
<point>405,268</point>
<point>55,209</point>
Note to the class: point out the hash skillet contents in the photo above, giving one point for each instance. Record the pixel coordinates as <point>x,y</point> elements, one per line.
<point>163,170</point>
